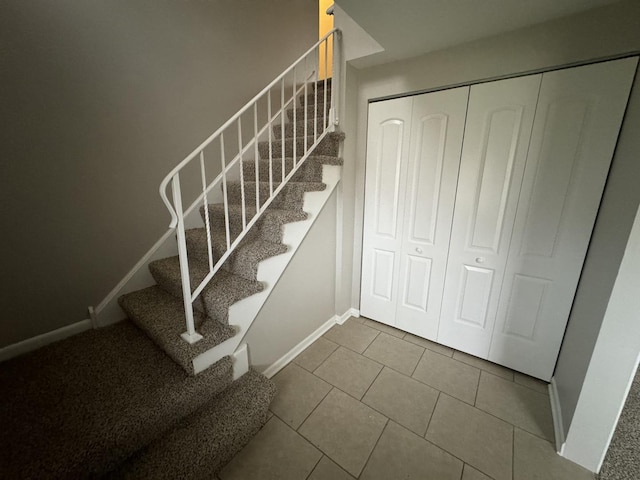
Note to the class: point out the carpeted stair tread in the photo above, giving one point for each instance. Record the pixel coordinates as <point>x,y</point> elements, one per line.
<point>244,260</point>
<point>329,145</point>
<point>299,112</point>
<point>310,171</point>
<point>300,124</point>
<point>291,197</point>
<point>79,407</point>
<point>221,292</point>
<point>268,227</point>
<point>161,316</point>
<point>206,440</point>
<point>165,271</point>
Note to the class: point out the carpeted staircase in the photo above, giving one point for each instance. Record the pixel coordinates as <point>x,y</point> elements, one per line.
<point>158,310</point>
<point>109,403</point>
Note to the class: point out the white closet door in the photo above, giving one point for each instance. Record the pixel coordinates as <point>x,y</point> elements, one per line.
<point>499,120</point>
<point>579,113</point>
<point>389,128</point>
<point>437,127</point>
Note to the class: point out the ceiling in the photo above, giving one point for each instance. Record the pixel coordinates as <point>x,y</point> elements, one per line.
<point>407,28</point>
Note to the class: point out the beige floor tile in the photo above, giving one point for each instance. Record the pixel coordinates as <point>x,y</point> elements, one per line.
<point>353,335</point>
<point>383,327</point>
<point>349,371</point>
<point>518,405</point>
<point>485,365</point>
<point>315,354</point>
<point>472,435</point>
<point>471,473</point>
<point>327,470</point>
<point>532,383</point>
<point>402,399</point>
<point>433,346</point>
<point>276,452</point>
<point>402,454</point>
<point>395,353</point>
<point>299,392</point>
<point>535,459</point>
<point>448,375</point>
<point>345,429</point>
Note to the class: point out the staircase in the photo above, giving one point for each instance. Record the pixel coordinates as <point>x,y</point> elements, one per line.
<point>221,428</point>
<point>109,403</point>
<point>158,310</point>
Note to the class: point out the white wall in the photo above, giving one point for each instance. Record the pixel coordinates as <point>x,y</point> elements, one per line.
<point>612,366</point>
<point>99,100</point>
<point>608,242</point>
<point>599,33</point>
<point>304,297</point>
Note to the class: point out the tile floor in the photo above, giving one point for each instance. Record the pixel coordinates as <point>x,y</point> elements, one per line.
<point>368,401</point>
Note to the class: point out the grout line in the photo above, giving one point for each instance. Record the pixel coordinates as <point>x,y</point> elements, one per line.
<point>513,452</point>
<point>316,407</point>
<point>475,399</point>
<point>316,465</point>
<point>431,416</point>
<point>418,363</point>
<point>374,446</point>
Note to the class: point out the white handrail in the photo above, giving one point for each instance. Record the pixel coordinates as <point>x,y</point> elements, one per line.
<point>262,199</point>
<point>213,136</point>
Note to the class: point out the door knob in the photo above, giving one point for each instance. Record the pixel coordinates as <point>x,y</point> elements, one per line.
<point>479,259</point>
<point>418,249</point>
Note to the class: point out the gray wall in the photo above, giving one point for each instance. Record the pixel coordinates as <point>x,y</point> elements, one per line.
<point>615,219</point>
<point>99,100</point>
<point>304,297</point>
<point>598,33</point>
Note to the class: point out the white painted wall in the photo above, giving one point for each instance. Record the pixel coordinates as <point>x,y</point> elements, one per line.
<point>617,211</point>
<point>599,33</point>
<point>304,297</point>
<point>612,366</point>
<point>99,100</point>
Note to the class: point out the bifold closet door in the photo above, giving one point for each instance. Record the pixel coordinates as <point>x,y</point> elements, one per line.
<point>388,135</point>
<point>578,117</point>
<point>437,127</point>
<point>498,127</point>
<point>413,155</point>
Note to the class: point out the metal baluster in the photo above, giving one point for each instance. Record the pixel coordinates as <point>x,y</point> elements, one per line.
<point>295,120</point>
<point>282,118</point>
<point>242,197</point>
<point>190,336</point>
<point>305,106</point>
<point>207,222</point>
<point>224,191</point>
<point>326,74</point>
<point>270,145</point>
<point>256,155</point>
<point>315,95</point>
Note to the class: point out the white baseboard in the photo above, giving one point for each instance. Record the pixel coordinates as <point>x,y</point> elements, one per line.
<point>34,343</point>
<point>556,413</point>
<point>295,351</point>
<point>352,312</point>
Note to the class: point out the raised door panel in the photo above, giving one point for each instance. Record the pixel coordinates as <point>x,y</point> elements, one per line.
<point>579,114</point>
<point>388,134</point>
<point>436,140</point>
<point>498,127</point>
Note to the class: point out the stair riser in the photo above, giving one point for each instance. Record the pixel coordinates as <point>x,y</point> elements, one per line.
<point>311,112</point>
<point>311,97</point>
<point>290,198</point>
<point>288,128</point>
<point>175,289</point>
<point>311,171</point>
<point>327,146</point>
